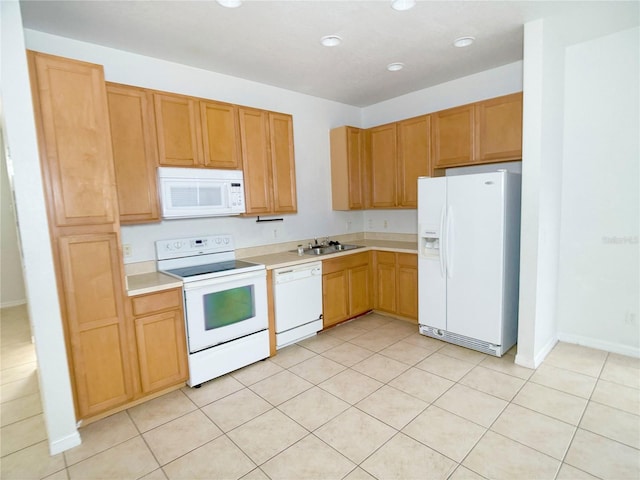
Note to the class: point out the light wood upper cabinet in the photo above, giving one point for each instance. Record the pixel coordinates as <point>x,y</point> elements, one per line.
<point>178,129</point>
<point>160,339</point>
<point>453,136</point>
<point>499,129</point>
<point>379,167</point>
<point>414,154</point>
<point>482,132</point>
<point>254,137</point>
<point>220,135</point>
<point>283,168</point>
<point>95,320</point>
<point>383,166</point>
<point>196,132</point>
<point>135,156</point>
<point>268,162</point>
<point>75,146</point>
<point>347,168</point>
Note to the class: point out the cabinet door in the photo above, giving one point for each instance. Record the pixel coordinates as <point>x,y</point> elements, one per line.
<point>335,304</point>
<point>383,164</point>
<point>347,168</point>
<point>283,168</point>
<point>178,128</point>
<point>220,135</point>
<point>255,160</point>
<point>499,128</point>
<point>96,325</point>
<point>162,353</point>
<point>73,120</point>
<point>355,167</point>
<point>386,281</point>
<point>453,136</point>
<point>134,153</point>
<point>359,290</point>
<point>407,287</point>
<point>414,152</point>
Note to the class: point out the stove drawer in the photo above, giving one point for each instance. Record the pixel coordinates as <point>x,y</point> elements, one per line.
<point>157,302</point>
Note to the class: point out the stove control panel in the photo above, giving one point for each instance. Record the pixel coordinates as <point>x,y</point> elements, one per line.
<point>193,246</point>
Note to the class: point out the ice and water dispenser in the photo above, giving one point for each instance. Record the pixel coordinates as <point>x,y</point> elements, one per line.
<point>429,240</point>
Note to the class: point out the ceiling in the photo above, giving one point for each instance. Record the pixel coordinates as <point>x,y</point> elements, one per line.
<point>278,42</point>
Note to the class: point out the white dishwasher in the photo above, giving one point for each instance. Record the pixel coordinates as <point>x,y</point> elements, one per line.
<point>297,295</point>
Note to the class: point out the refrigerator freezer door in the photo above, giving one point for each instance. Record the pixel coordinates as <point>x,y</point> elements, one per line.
<point>432,298</point>
<point>475,246</point>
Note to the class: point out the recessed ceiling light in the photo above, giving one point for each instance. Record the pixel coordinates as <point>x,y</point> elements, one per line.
<point>463,41</point>
<point>394,67</point>
<point>331,40</point>
<point>401,5</point>
<point>230,3</point>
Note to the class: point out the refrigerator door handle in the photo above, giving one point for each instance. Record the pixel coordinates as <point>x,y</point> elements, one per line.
<point>449,234</point>
<point>441,250</point>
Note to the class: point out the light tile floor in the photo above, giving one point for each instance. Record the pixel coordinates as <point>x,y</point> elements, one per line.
<point>368,399</point>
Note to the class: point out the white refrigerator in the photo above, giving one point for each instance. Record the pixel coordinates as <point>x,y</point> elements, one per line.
<point>468,259</point>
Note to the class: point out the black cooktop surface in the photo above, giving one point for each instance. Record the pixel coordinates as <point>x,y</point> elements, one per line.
<point>196,270</point>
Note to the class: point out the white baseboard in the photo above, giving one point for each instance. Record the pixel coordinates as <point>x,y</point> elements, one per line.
<point>65,443</point>
<point>535,361</point>
<point>14,303</point>
<point>600,344</point>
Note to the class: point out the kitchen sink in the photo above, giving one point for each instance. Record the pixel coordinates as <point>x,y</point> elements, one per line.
<point>327,249</point>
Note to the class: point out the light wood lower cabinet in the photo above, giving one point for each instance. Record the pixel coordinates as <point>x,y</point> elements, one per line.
<point>396,280</point>
<point>346,287</point>
<point>160,339</point>
<point>96,322</point>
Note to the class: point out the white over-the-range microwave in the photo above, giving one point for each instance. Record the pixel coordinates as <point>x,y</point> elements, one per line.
<point>200,192</point>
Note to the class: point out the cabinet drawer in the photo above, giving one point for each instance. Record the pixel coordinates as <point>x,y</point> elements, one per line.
<point>386,257</point>
<point>156,302</point>
<point>408,260</point>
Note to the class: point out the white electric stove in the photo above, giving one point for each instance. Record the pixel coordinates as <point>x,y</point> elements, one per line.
<point>225,304</point>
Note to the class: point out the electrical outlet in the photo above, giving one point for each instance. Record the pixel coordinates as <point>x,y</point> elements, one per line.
<point>275,233</point>
<point>127,251</point>
<point>348,225</point>
<point>385,225</point>
<point>370,224</point>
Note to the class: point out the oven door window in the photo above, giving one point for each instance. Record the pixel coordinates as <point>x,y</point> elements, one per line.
<point>227,307</point>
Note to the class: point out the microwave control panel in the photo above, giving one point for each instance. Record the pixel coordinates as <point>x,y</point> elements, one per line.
<point>237,196</point>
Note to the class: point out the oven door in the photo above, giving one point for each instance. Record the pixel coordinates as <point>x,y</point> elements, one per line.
<point>225,308</point>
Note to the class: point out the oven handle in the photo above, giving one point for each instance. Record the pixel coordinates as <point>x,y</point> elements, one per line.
<point>224,279</point>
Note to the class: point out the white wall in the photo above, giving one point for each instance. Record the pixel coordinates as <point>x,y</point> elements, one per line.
<point>11,281</point>
<point>473,88</point>
<point>550,125</point>
<point>599,262</point>
<point>20,140</point>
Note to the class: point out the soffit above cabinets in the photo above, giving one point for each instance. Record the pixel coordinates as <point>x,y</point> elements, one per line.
<point>278,42</point>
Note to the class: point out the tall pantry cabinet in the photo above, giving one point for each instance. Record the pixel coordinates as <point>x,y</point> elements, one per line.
<point>70,106</point>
